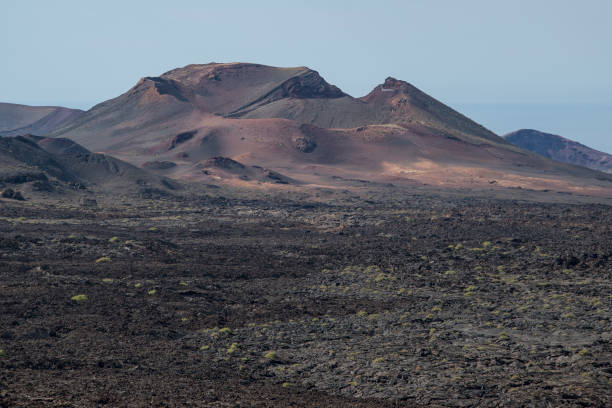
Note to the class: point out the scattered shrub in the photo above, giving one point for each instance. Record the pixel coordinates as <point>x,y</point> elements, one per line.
<point>232,348</point>
<point>469,291</point>
<point>79,298</point>
<point>383,276</point>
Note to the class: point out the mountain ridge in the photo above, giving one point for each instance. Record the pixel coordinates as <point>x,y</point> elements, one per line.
<point>561,149</point>
<point>293,122</point>
<point>57,165</point>
<point>16,119</point>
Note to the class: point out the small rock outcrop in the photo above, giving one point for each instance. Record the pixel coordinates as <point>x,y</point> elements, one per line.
<point>88,202</point>
<point>12,194</point>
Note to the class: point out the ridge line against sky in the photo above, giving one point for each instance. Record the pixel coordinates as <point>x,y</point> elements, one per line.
<point>466,53</point>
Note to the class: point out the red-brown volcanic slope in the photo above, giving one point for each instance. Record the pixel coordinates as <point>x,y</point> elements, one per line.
<point>291,121</point>
<point>41,120</point>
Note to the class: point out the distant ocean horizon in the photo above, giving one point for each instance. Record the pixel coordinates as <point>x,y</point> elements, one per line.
<point>587,123</point>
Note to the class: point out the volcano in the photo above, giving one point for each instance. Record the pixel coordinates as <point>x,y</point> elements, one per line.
<point>291,121</point>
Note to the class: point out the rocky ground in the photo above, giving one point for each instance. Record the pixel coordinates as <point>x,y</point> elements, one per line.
<point>420,301</point>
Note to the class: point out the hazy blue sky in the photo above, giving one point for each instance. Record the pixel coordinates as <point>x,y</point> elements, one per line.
<point>465,53</point>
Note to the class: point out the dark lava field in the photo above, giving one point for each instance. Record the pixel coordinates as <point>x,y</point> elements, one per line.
<point>416,301</point>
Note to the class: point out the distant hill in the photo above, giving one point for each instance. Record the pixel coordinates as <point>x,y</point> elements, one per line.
<point>57,165</point>
<point>40,120</point>
<point>559,148</point>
